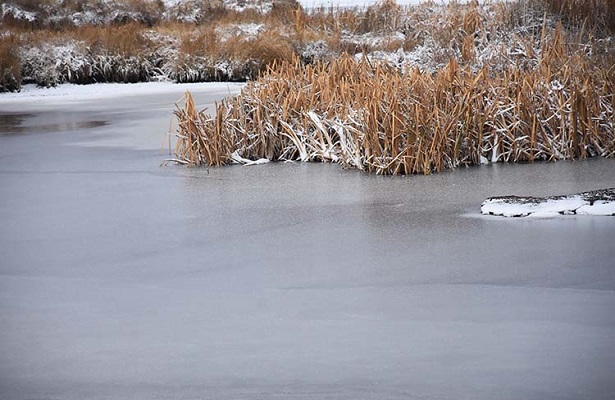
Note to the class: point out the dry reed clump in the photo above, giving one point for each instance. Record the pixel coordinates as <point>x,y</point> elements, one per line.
<point>598,14</point>
<point>193,61</point>
<point>268,48</point>
<point>10,64</point>
<point>378,119</point>
<point>127,39</point>
<point>213,54</point>
<point>385,16</point>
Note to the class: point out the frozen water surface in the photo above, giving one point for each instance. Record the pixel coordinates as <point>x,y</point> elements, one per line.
<point>121,279</point>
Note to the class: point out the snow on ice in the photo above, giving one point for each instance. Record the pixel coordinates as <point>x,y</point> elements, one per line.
<point>598,202</point>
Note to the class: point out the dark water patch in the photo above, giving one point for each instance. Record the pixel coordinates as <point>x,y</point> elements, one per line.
<point>10,123</point>
<point>13,124</point>
<point>66,126</point>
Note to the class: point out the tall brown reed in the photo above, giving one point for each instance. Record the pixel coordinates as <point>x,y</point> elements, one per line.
<point>10,64</point>
<point>597,14</point>
<point>194,148</point>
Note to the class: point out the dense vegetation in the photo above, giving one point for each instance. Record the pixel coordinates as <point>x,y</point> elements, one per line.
<point>380,119</point>
<point>48,42</point>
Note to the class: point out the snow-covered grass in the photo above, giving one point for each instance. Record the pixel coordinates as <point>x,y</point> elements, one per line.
<point>378,118</point>
<point>15,12</point>
<point>189,40</point>
<point>600,203</point>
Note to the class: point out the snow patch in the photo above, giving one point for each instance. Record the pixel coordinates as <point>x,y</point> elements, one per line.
<point>598,202</point>
<point>17,13</point>
<point>76,93</point>
<point>249,31</point>
<point>246,161</point>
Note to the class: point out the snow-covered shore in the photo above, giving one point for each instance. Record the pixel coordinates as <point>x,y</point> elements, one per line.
<point>597,202</point>
<point>70,92</point>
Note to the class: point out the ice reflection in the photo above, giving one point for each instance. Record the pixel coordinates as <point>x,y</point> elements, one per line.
<point>11,124</point>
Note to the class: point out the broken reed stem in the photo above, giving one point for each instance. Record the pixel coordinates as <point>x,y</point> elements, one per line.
<point>379,119</point>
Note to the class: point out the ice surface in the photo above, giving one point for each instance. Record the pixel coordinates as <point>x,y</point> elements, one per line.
<point>121,279</point>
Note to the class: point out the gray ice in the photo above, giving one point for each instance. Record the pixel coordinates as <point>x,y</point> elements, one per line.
<point>121,279</point>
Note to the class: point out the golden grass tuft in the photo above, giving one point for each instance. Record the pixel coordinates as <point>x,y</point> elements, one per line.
<point>194,148</point>
<point>268,48</point>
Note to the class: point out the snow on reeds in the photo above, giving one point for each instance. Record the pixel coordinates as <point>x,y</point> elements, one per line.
<point>384,120</point>
<point>212,40</point>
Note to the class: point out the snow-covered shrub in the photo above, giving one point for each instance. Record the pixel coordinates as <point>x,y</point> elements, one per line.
<point>312,52</point>
<point>194,69</point>
<point>74,62</point>
<point>38,65</point>
<point>48,64</point>
<point>195,11</point>
<point>18,15</point>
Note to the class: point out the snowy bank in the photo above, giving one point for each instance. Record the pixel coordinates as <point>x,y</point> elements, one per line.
<point>74,93</point>
<point>597,202</point>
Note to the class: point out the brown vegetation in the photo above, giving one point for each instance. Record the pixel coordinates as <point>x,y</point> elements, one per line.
<point>377,118</point>
<point>10,71</point>
<point>599,14</point>
<point>138,40</point>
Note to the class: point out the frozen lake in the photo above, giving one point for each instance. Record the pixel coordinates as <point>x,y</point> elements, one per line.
<point>121,279</point>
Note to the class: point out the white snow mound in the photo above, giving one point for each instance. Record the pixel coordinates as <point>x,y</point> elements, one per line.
<point>597,202</point>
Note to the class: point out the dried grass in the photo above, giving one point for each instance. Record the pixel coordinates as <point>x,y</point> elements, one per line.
<point>194,148</point>
<point>127,39</point>
<point>597,14</point>
<point>429,35</point>
<point>376,118</point>
<point>10,64</point>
